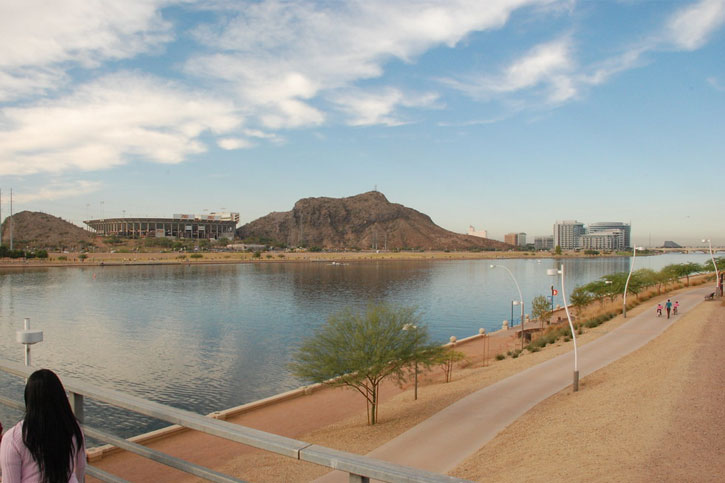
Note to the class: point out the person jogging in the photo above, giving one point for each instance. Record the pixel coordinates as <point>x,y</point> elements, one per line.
<point>668,306</point>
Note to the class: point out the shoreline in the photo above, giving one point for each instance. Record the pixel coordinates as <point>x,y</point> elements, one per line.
<point>108,259</point>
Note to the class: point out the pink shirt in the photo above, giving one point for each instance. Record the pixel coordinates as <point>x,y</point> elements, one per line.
<point>18,465</point>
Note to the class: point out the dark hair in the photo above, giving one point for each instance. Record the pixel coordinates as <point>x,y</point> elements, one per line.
<point>49,426</point>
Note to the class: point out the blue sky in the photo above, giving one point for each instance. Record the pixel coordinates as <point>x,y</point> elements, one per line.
<point>506,115</point>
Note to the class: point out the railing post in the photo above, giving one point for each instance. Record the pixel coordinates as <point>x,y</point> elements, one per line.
<point>358,479</point>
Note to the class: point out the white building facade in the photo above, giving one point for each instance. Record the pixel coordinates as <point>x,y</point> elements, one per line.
<point>567,234</point>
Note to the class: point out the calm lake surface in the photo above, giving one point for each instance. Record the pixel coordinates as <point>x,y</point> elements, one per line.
<point>207,338</point>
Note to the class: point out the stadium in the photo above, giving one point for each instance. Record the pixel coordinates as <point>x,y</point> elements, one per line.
<point>212,226</point>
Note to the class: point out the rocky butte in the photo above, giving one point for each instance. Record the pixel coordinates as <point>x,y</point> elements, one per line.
<point>363,221</point>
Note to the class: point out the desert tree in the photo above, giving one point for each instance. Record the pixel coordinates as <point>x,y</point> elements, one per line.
<point>540,309</point>
<point>580,298</point>
<point>360,349</point>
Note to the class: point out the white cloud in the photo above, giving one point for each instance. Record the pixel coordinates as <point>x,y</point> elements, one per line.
<point>59,190</point>
<point>691,26</point>
<point>108,122</point>
<point>716,84</point>
<point>548,66</point>
<point>278,56</point>
<point>38,37</point>
<point>370,108</point>
<point>231,144</point>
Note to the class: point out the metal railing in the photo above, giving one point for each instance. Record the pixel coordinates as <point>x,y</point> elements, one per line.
<point>359,468</point>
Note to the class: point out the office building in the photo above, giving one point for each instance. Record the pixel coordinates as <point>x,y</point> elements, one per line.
<point>622,231</point>
<point>567,234</point>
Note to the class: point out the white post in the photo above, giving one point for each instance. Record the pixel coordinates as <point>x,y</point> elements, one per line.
<point>717,275</point>
<point>521,301</point>
<point>553,271</point>
<point>624,297</point>
<point>28,337</point>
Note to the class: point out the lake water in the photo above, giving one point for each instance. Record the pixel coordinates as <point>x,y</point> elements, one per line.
<point>210,337</point>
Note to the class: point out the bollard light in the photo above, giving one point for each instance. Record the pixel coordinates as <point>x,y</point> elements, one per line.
<point>28,337</point>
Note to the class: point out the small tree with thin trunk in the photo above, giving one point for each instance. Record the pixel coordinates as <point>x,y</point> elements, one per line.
<point>447,360</point>
<point>540,309</point>
<point>361,349</point>
<point>580,298</point>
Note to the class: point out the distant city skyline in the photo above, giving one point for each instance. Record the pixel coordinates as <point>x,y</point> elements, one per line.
<point>506,118</point>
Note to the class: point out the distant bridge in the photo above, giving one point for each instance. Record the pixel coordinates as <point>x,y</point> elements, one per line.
<point>715,250</point>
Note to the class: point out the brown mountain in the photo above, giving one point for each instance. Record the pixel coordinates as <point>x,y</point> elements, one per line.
<point>33,229</point>
<point>364,221</point>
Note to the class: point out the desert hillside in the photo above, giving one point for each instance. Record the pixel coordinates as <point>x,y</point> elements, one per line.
<point>33,229</point>
<point>363,221</point>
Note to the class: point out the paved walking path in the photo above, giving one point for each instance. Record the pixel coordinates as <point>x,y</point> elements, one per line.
<point>443,441</point>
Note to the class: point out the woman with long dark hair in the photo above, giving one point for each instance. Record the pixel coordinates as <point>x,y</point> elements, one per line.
<point>47,445</point>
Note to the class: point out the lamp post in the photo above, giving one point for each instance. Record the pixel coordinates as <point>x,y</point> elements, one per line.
<point>717,275</point>
<point>554,272</point>
<point>28,337</point>
<point>626,285</point>
<point>521,301</point>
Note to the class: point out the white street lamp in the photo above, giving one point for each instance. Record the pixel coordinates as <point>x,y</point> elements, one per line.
<point>521,301</point>
<point>555,272</point>
<point>717,275</point>
<point>631,267</point>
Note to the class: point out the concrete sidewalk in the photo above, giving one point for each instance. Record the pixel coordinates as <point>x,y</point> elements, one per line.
<point>443,441</point>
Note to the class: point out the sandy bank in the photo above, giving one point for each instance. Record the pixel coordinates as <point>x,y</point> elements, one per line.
<point>174,258</point>
<point>655,415</point>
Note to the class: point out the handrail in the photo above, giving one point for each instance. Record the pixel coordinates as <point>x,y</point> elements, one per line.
<point>361,466</point>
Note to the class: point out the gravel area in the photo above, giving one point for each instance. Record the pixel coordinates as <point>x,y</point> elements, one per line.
<point>655,415</point>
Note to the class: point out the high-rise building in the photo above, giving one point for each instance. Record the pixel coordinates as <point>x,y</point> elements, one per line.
<point>567,234</point>
<point>621,230</point>
<point>521,240</point>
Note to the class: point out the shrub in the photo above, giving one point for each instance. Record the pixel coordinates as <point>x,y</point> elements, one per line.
<point>500,357</point>
<point>62,258</point>
<point>196,255</point>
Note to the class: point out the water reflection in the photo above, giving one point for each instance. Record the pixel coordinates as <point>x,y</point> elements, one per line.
<point>209,337</point>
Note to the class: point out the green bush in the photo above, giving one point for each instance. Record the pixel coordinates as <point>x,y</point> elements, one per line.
<point>62,258</point>
<point>500,357</point>
<point>196,255</point>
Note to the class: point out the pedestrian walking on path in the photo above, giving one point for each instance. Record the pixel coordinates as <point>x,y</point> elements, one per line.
<point>668,306</point>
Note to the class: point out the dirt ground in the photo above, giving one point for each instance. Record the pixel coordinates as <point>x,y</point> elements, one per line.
<point>225,257</point>
<point>655,415</point>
